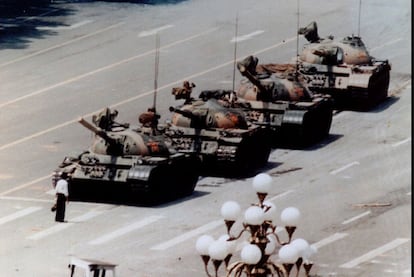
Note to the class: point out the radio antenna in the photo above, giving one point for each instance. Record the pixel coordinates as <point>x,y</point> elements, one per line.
<point>297,39</point>
<point>235,48</point>
<point>157,58</point>
<point>359,16</point>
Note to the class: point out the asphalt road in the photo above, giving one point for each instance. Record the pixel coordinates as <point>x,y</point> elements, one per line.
<point>65,60</point>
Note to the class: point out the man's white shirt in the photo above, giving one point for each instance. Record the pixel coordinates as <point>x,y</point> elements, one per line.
<point>62,187</point>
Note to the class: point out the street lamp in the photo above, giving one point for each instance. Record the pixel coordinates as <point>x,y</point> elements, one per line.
<point>262,241</point>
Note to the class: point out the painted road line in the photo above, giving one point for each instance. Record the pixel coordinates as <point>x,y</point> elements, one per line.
<point>101,69</point>
<point>246,37</point>
<point>328,240</point>
<point>26,199</point>
<point>376,252</point>
<point>62,44</point>
<point>70,27</point>
<point>333,172</point>
<point>401,142</point>
<point>385,44</point>
<point>356,217</point>
<point>151,92</point>
<point>154,31</point>
<point>19,214</point>
<point>125,230</point>
<point>25,185</point>
<point>188,235</point>
<point>281,195</point>
<point>61,226</point>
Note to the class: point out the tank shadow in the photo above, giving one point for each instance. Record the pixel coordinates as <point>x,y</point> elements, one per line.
<point>376,108</point>
<point>147,2</point>
<point>312,147</point>
<point>128,201</point>
<point>384,105</point>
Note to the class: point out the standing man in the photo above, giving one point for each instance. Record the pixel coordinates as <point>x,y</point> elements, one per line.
<point>62,197</point>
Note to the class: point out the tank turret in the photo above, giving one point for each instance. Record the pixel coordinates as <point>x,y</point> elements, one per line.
<point>269,84</point>
<point>207,115</point>
<point>275,96</point>
<point>344,69</point>
<point>129,165</point>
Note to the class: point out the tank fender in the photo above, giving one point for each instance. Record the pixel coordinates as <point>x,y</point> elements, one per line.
<point>140,172</point>
<point>294,117</point>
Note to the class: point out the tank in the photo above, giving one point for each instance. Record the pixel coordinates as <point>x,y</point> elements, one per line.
<point>127,164</point>
<point>225,141</point>
<point>344,69</point>
<point>273,95</point>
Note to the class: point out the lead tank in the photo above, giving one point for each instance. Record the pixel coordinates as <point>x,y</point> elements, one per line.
<point>273,95</point>
<point>226,142</point>
<point>128,165</point>
<point>344,69</point>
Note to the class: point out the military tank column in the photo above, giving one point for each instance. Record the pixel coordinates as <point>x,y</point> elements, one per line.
<point>227,132</point>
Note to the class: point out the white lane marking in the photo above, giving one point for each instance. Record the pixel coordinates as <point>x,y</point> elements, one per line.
<point>129,99</point>
<point>386,44</point>
<point>26,199</point>
<point>25,185</point>
<point>246,37</point>
<point>401,142</point>
<point>62,44</point>
<point>188,235</point>
<point>127,229</point>
<point>19,214</point>
<point>70,27</point>
<point>110,66</point>
<point>281,195</point>
<point>61,226</point>
<point>48,11</point>
<point>372,254</point>
<point>409,193</point>
<point>333,172</point>
<point>154,31</point>
<point>330,239</point>
<point>356,217</point>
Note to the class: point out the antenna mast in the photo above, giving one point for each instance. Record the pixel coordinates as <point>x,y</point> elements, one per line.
<point>235,48</point>
<point>359,16</point>
<point>297,40</point>
<point>157,58</point>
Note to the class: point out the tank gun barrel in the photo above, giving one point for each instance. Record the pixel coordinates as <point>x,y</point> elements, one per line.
<point>251,77</point>
<point>98,131</point>
<point>187,114</point>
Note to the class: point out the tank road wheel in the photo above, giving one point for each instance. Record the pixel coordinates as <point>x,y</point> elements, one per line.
<point>253,153</point>
<point>157,181</point>
<point>377,89</point>
<point>170,181</point>
<point>382,86</point>
<point>187,172</point>
<point>261,150</point>
<point>311,129</point>
<point>244,158</point>
<point>323,122</point>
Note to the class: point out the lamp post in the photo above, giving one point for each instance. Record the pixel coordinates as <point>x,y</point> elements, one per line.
<point>262,242</point>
